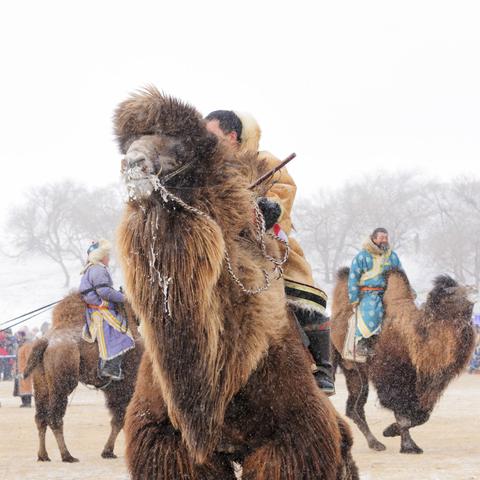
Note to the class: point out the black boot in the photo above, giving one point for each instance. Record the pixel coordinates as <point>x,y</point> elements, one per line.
<point>317,329</point>
<point>366,346</point>
<point>111,368</point>
<point>26,401</point>
<point>320,350</point>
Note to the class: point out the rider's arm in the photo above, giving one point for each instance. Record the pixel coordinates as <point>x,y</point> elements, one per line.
<point>282,191</point>
<point>356,271</point>
<point>102,277</point>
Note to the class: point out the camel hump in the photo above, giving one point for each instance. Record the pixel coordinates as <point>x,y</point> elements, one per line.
<point>343,273</point>
<point>70,312</point>
<point>36,356</point>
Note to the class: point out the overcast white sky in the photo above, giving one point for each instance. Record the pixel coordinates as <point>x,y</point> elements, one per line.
<point>351,86</point>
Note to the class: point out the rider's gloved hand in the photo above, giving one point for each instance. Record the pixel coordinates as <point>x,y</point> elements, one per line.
<point>271,211</point>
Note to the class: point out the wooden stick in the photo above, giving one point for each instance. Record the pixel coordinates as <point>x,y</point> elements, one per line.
<point>272,172</point>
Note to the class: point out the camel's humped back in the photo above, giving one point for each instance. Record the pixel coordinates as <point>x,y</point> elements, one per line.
<point>70,312</point>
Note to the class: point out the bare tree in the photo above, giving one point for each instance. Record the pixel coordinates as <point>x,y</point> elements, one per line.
<point>59,220</point>
<point>453,231</point>
<point>334,224</point>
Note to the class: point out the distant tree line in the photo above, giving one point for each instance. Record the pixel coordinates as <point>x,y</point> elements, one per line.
<point>436,223</point>
<point>59,220</point>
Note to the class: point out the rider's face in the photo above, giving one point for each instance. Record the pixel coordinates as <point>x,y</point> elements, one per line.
<point>213,126</point>
<point>381,240</point>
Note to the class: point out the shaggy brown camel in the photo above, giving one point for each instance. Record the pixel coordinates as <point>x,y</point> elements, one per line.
<point>224,376</point>
<point>417,354</point>
<point>62,359</point>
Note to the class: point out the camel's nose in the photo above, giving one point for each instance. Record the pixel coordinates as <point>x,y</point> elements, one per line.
<point>136,159</point>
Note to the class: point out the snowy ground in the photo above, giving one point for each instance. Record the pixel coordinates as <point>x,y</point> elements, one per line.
<point>451,440</point>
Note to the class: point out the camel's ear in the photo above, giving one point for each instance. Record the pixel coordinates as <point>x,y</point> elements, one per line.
<point>149,112</point>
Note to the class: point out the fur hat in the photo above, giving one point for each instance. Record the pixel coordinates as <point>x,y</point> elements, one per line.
<point>250,132</point>
<point>96,252</point>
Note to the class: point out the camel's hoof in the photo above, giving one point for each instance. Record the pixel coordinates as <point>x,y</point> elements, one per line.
<point>43,458</point>
<point>377,446</point>
<point>107,454</point>
<point>412,449</point>
<point>392,431</point>
<point>70,459</point>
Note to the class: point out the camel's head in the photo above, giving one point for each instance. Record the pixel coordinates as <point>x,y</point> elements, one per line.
<point>163,140</point>
<point>449,298</point>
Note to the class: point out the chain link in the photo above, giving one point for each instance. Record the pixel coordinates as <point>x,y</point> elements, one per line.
<point>260,236</point>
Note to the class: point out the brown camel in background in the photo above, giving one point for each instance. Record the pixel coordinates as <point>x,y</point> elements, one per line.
<point>224,376</point>
<point>62,359</point>
<point>418,353</point>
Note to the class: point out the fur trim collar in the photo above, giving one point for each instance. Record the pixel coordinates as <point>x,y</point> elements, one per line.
<point>251,133</point>
<point>370,247</point>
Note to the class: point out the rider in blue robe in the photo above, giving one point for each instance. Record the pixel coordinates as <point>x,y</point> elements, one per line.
<point>366,283</point>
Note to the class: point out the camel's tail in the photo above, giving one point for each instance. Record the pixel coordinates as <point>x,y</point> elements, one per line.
<point>36,356</point>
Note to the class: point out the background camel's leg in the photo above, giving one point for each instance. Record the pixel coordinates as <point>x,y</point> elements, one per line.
<point>61,363</point>
<point>118,396</point>
<point>116,426</point>
<point>41,413</point>
<point>58,406</point>
<point>357,385</point>
<point>407,443</point>
<point>392,430</point>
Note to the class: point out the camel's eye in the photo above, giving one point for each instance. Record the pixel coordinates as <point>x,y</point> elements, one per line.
<point>137,161</point>
<point>178,151</point>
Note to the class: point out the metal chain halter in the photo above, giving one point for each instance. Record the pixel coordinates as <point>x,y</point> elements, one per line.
<point>260,236</point>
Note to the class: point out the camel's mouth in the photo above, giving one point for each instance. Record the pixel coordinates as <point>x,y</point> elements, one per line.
<point>139,184</point>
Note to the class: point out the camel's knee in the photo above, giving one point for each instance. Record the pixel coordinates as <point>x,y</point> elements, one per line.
<point>41,421</point>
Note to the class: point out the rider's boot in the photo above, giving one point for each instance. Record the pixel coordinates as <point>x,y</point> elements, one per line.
<point>366,346</point>
<point>320,350</point>
<point>112,368</point>
<point>317,328</point>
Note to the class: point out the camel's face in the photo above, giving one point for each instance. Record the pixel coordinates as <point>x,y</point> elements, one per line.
<point>460,299</point>
<point>147,160</point>
<point>472,294</point>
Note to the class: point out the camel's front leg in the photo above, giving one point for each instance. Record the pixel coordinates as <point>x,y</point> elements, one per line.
<point>407,443</point>
<point>155,449</point>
